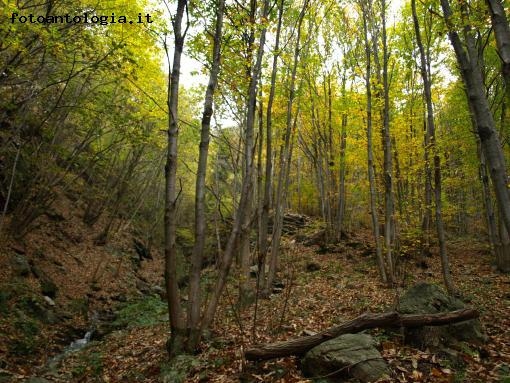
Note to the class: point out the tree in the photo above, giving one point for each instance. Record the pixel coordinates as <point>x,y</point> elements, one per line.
<point>430,144</point>
<point>468,60</point>
<point>242,217</point>
<point>177,338</point>
<point>366,12</point>
<point>200,219</point>
<point>285,158</point>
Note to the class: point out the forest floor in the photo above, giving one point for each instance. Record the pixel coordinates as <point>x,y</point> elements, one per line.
<point>345,285</point>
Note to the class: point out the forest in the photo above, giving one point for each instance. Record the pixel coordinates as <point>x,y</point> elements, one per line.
<point>254,191</point>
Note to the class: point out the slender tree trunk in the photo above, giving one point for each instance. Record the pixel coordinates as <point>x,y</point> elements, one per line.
<point>11,183</point>
<point>427,216</point>
<point>492,229</point>
<point>200,214</point>
<point>388,163</point>
<point>269,153</point>
<point>398,176</point>
<point>330,179</point>
<point>341,186</point>
<point>244,237</point>
<point>177,324</point>
<point>370,154</point>
<point>501,30</point>
<point>503,256</point>
<point>241,220</point>
<point>126,171</point>
<point>284,158</point>
<point>262,235</point>
<point>431,139</point>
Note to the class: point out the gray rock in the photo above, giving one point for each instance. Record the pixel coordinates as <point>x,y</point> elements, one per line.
<point>425,298</point>
<point>349,355</point>
<point>49,301</point>
<point>20,265</point>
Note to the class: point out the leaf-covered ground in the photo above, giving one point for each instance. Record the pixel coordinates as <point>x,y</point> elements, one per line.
<point>345,286</point>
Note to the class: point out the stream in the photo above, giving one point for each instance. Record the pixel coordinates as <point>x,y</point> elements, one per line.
<point>74,346</point>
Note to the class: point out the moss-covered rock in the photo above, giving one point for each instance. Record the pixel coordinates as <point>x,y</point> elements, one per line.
<point>426,298</point>
<point>351,355</point>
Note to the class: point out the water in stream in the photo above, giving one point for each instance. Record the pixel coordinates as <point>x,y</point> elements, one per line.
<point>74,346</point>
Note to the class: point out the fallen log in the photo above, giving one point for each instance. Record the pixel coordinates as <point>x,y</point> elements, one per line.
<point>366,321</point>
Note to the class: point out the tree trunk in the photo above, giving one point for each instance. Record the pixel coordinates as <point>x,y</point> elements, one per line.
<point>269,153</point>
<point>242,219</point>
<point>251,106</point>
<point>431,140</point>
<point>371,165</point>
<point>366,321</point>
<point>490,217</point>
<point>284,163</point>
<point>503,256</point>
<point>200,219</point>
<point>467,59</point>
<point>177,324</point>
<point>388,163</point>
<point>341,186</point>
<point>502,34</point>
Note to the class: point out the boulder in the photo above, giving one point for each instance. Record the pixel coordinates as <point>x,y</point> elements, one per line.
<point>349,355</point>
<point>426,298</point>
